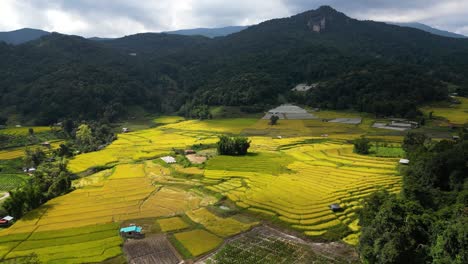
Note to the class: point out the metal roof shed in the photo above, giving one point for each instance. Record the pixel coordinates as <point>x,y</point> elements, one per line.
<point>169,159</point>
<point>335,207</point>
<point>8,218</point>
<point>404,161</point>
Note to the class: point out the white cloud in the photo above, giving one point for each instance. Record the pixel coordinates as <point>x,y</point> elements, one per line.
<point>111,18</point>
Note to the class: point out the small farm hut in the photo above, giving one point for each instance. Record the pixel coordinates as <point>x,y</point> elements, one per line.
<point>46,144</point>
<point>30,170</point>
<point>131,232</point>
<point>404,161</point>
<point>169,159</point>
<point>125,130</point>
<point>335,207</point>
<point>6,221</point>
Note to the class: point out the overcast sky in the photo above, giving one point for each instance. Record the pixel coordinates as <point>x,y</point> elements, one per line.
<point>113,18</point>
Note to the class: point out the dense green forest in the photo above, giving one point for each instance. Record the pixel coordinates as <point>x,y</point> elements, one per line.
<point>362,65</point>
<point>428,222</point>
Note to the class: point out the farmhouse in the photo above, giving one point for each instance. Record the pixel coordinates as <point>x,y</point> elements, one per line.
<point>131,232</point>
<point>6,221</point>
<point>289,111</point>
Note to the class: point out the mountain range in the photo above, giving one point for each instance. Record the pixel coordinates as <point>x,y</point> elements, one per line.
<point>367,66</point>
<point>429,29</point>
<point>27,34</point>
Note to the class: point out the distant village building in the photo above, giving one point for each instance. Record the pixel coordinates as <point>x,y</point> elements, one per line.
<point>125,130</point>
<point>289,111</point>
<point>303,87</point>
<point>46,144</point>
<point>131,232</point>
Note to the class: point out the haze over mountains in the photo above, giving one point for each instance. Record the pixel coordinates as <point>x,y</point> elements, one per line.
<point>27,34</point>
<point>363,65</point>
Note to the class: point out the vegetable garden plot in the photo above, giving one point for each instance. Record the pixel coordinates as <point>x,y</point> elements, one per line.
<point>266,245</point>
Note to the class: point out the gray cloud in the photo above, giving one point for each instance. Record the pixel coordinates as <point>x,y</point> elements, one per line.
<point>111,18</point>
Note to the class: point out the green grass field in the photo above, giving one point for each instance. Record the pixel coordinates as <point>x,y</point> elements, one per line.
<point>11,181</point>
<point>455,113</point>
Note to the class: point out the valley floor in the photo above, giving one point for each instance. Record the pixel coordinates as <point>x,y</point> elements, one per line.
<point>290,177</point>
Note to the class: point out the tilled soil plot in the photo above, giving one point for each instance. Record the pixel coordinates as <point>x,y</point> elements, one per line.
<point>154,249</point>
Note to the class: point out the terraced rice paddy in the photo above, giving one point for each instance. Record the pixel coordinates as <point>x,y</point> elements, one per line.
<point>19,152</point>
<point>291,178</point>
<point>171,224</point>
<point>118,198</point>
<point>23,131</point>
<point>199,241</point>
<point>222,227</point>
<point>11,153</point>
<point>457,113</point>
<point>320,175</point>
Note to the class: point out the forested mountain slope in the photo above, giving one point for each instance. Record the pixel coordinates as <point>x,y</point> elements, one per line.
<point>365,65</point>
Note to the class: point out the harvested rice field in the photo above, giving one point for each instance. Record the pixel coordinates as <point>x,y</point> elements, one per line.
<point>291,176</point>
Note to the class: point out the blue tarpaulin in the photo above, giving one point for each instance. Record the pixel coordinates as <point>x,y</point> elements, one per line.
<point>130,229</point>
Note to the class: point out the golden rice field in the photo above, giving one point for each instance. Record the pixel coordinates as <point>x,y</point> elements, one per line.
<point>23,131</point>
<point>124,195</point>
<point>11,153</point>
<point>293,178</point>
<point>319,175</point>
<point>223,227</point>
<point>168,119</point>
<point>15,153</point>
<point>198,241</point>
<point>171,224</point>
<point>457,113</point>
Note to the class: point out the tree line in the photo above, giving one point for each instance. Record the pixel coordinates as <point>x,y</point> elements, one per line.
<point>428,221</point>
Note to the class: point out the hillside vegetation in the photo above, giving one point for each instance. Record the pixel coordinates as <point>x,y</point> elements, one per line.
<point>364,65</point>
